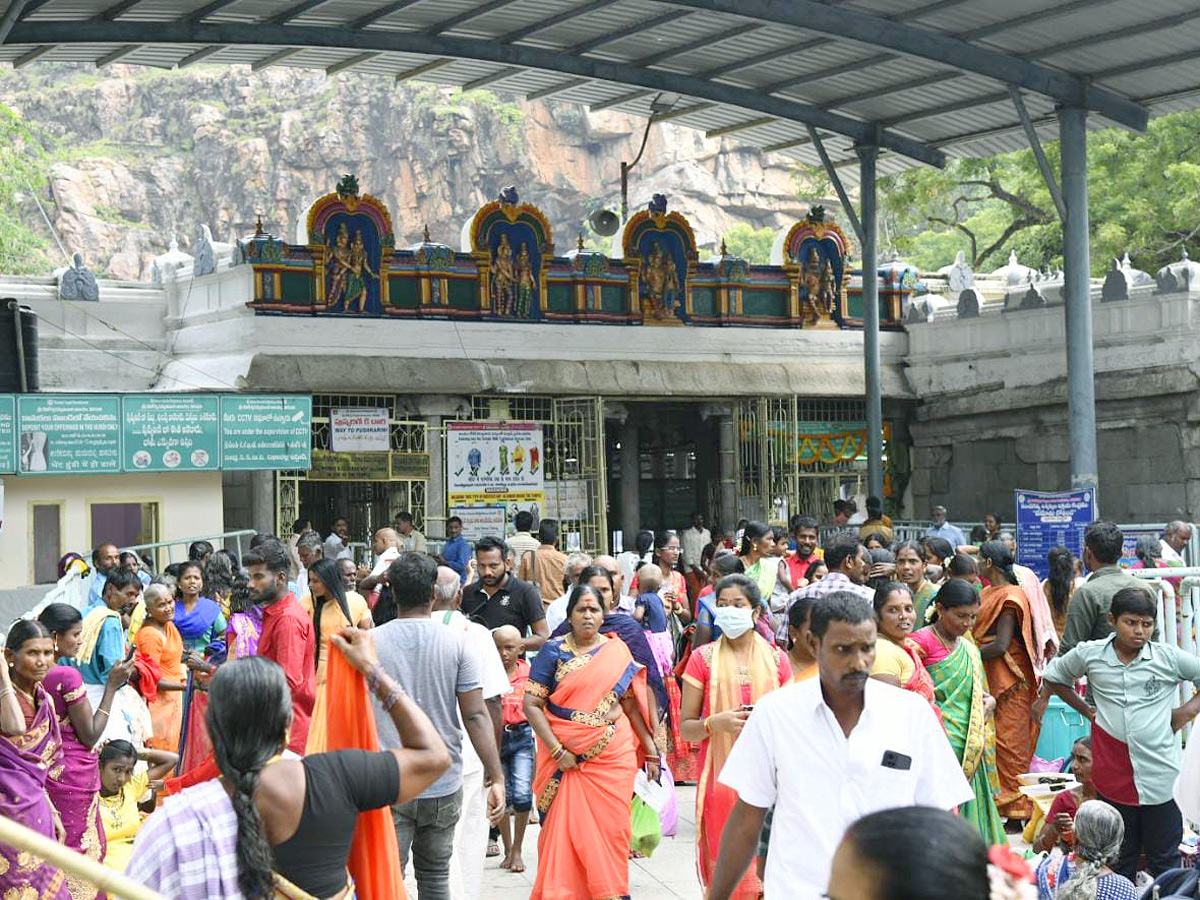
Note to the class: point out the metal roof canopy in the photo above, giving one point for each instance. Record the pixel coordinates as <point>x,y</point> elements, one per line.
<point>920,79</point>
<point>866,86</point>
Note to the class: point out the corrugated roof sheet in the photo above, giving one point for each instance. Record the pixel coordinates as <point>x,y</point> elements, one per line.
<point>1144,51</point>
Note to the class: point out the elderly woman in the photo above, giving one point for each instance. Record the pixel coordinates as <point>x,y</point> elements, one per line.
<point>722,683</point>
<point>586,702</point>
<point>1085,874</point>
<point>283,827</point>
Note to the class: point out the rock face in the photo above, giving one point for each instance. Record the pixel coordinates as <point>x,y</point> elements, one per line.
<point>143,154</point>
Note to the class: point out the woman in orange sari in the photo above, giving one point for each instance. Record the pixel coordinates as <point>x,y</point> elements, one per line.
<point>1004,633</point>
<point>722,683</point>
<point>586,701</point>
<point>160,640</point>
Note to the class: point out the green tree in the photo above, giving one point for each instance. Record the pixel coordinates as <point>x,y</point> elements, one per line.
<point>751,245</point>
<point>1143,199</point>
<point>23,165</point>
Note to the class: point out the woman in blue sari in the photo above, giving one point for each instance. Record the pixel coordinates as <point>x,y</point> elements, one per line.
<point>199,619</point>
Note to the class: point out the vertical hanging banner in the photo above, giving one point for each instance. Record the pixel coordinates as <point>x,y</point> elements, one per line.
<point>1045,520</point>
<point>488,463</point>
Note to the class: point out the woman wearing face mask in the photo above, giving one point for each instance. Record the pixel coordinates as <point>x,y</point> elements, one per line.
<point>722,683</point>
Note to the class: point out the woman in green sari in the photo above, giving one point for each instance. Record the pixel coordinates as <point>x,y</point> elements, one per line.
<point>960,690</point>
<point>756,551</point>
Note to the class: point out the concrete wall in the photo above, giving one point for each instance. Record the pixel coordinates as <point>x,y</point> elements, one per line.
<point>189,505</point>
<point>993,417</point>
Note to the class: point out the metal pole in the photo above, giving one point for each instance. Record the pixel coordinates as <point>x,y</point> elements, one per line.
<point>832,173</point>
<point>1081,389</point>
<point>15,307</point>
<point>870,298</point>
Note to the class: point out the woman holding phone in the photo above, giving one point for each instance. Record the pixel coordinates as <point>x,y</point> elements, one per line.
<point>721,684</point>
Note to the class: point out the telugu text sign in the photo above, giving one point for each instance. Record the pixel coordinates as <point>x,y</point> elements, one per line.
<point>69,434</point>
<point>1046,520</point>
<point>266,431</point>
<point>359,430</point>
<point>171,432</point>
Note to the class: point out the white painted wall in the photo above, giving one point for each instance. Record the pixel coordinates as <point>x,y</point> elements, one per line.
<point>189,505</point>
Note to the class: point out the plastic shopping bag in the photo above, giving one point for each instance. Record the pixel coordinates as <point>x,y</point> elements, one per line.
<point>647,830</point>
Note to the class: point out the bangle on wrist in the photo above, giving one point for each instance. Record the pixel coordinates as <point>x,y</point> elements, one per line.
<point>708,724</point>
<point>374,677</point>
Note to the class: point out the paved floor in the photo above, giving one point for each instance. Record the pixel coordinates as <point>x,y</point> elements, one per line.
<point>669,874</point>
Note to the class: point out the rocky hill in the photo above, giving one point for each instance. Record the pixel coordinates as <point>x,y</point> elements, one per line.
<point>135,155</point>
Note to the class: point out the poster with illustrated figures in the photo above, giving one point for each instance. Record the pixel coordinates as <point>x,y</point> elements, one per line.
<point>495,462</point>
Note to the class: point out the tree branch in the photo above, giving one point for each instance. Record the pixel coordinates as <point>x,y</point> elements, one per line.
<point>961,227</point>
<point>1013,227</point>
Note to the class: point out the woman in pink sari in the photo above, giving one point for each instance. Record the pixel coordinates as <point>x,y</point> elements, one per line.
<point>30,746</point>
<point>74,784</point>
<point>722,683</point>
<point>586,701</point>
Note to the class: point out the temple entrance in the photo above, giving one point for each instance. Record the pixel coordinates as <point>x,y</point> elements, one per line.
<point>663,464</point>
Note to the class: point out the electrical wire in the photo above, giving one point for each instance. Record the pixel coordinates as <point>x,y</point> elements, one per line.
<point>107,352</point>
<point>83,311</point>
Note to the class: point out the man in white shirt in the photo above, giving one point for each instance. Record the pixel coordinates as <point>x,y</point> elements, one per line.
<point>523,541</point>
<point>693,540</point>
<point>826,752</point>
<point>471,832</point>
<point>556,612</point>
<point>1176,537</point>
<point>335,544</point>
<point>385,544</point>
<point>409,539</point>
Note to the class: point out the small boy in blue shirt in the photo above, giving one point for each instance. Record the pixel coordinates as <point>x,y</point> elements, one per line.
<point>649,610</point>
<point>1134,683</point>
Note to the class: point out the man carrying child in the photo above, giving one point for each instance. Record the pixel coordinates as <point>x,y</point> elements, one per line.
<point>1133,682</point>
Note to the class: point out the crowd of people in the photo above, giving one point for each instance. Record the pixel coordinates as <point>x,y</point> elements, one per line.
<point>219,729</point>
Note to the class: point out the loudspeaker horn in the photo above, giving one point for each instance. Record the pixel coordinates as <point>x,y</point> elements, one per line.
<point>604,222</point>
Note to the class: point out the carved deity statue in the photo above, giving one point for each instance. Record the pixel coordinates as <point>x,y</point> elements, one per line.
<point>360,270</point>
<point>827,294</point>
<point>504,281</point>
<point>660,282</point>
<point>526,284</point>
<point>810,286</point>
<point>337,266</point>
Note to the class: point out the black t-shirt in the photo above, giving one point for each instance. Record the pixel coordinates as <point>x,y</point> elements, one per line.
<point>517,603</point>
<point>337,787</point>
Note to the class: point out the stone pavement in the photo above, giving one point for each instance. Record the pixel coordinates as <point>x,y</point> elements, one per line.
<point>669,874</point>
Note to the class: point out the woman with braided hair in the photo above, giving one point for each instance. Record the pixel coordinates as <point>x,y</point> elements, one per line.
<point>1085,873</point>
<point>272,827</point>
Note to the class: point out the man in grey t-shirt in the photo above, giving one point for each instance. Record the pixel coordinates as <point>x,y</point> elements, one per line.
<point>435,666</point>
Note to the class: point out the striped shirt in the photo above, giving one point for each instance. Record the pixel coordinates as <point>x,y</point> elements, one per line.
<point>187,850</point>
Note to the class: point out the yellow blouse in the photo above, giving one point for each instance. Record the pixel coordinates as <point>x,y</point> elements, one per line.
<point>122,819</point>
<point>332,621</point>
<point>891,660</point>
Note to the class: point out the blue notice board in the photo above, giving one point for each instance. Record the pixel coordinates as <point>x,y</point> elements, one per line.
<point>1049,519</point>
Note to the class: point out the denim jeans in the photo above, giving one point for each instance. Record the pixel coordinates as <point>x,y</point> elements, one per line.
<point>426,828</point>
<point>516,757</point>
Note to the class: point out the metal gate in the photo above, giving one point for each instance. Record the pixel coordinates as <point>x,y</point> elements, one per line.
<point>575,466</point>
<point>773,483</point>
<point>368,489</point>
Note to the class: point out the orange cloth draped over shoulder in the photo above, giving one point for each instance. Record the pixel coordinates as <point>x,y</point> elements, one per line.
<point>350,725</point>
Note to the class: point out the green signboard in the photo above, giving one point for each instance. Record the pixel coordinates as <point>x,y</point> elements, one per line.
<point>8,433</point>
<point>69,434</point>
<point>266,431</point>
<point>171,432</point>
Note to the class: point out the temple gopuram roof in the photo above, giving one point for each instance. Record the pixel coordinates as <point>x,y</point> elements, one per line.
<point>922,79</point>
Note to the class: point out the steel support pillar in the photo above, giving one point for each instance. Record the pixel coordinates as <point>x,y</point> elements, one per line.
<point>1081,389</point>
<point>631,489</point>
<point>867,155</point>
